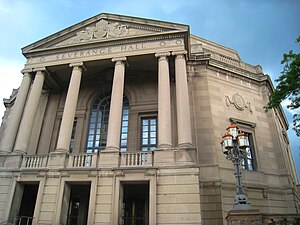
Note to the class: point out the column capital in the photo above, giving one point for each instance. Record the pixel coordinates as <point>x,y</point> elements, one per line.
<point>162,54</point>
<point>119,59</point>
<point>27,70</point>
<point>27,74</point>
<point>179,52</point>
<point>77,65</point>
<point>39,69</point>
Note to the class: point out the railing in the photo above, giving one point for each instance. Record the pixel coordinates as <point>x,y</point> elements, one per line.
<point>82,161</point>
<point>136,159</point>
<point>22,220</point>
<point>88,160</point>
<point>34,161</point>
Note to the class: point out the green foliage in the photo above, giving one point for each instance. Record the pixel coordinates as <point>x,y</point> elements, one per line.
<point>288,86</point>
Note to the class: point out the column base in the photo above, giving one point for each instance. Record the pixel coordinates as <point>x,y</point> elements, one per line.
<point>185,145</point>
<point>3,153</point>
<point>13,161</point>
<point>185,155</point>
<point>18,152</point>
<point>61,151</point>
<point>165,146</point>
<point>109,159</point>
<point>57,160</point>
<point>112,149</point>
<point>164,157</point>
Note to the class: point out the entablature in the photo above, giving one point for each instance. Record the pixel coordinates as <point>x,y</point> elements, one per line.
<point>107,36</point>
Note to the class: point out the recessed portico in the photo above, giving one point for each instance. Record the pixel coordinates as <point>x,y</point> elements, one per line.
<point>133,53</point>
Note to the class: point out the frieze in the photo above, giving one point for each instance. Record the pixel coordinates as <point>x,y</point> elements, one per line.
<point>238,101</point>
<point>107,51</point>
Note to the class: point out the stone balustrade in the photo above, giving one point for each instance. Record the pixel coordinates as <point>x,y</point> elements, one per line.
<point>34,161</point>
<point>140,159</point>
<point>82,161</point>
<point>136,159</point>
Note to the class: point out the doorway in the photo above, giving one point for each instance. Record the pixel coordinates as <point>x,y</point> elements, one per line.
<point>23,205</point>
<point>78,206</point>
<point>135,203</point>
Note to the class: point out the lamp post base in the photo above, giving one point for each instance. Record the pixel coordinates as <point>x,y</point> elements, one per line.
<point>241,217</point>
<point>241,203</point>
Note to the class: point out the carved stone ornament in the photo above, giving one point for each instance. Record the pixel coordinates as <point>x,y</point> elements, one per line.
<point>102,30</point>
<point>238,102</point>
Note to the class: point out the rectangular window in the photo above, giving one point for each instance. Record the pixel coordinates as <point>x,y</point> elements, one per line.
<point>249,161</point>
<point>148,133</point>
<point>72,141</point>
<point>124,129</point>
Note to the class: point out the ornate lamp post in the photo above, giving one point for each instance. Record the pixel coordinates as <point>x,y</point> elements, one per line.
<point>234,146</point>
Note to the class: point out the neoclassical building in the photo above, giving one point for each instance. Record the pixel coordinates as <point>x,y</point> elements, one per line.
<point>118,120</point>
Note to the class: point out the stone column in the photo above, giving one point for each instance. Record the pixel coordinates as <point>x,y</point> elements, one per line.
<point>116,105</point>
<point>164,102</point>
<point>182,101</point>
<point>9,136</point>
<point>31,107</point>
<point>65,132</point>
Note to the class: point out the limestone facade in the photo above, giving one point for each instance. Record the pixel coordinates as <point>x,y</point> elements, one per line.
<point>160,160</point>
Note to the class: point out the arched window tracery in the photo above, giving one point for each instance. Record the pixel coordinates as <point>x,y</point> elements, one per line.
<point>98,124</point>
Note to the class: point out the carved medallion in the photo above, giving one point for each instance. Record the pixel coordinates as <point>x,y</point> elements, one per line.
<point>238,101</point>
<point>103,29</point>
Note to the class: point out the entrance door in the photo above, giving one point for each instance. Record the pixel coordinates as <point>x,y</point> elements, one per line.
<point>27,204</point>
<point>135,207</point>
<point>78,205</point>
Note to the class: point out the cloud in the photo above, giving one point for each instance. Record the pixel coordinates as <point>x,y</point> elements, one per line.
<point>18,12</point>
<point>287,102</point>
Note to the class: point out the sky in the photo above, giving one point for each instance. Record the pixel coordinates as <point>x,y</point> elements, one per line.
<point>259,30</point>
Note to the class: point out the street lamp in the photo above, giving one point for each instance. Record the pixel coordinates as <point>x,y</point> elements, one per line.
<point>234,144</point>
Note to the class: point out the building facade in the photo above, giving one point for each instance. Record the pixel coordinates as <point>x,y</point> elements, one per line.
<point>118,120</point>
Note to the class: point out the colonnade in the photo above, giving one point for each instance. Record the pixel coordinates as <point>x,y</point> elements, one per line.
<point>17,135</point>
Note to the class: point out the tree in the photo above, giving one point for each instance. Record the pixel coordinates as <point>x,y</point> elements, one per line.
<point>288,86</point>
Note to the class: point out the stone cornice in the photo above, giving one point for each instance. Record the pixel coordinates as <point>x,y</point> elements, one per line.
<point>103,43</point>
<point>233,68</point>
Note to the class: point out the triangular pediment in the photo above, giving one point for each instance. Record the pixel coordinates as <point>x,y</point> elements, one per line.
<point>105,28</point>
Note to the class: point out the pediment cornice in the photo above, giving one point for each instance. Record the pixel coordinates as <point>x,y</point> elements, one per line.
<point>104,44</point>
<point>105,30</point>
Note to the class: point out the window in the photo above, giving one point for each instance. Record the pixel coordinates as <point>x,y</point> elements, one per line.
<point>98,125</point>
<point>72,142</point>
<point>149,133</point>
<point>124,129</point>
<point>249,162</point>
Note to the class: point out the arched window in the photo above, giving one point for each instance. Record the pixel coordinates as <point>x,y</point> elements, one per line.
<point>98,125</point>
